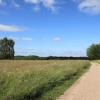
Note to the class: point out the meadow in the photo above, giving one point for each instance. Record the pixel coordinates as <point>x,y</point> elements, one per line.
<point>38,79</point>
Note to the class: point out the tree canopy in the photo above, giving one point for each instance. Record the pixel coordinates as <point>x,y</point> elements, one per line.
<point>93,52</point>
<point>7,48</point>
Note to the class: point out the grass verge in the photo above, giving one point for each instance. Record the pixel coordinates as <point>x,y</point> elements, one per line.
<point>96,61</point>
<point>60,89</point>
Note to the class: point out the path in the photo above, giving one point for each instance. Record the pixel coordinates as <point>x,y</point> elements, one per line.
<point>87,87</point>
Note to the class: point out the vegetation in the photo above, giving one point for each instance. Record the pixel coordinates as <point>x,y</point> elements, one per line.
<point>6,48</point>
<point>96,61</point>
<point>33,57</point>
<point>38,80</point>
<point>93,52</point>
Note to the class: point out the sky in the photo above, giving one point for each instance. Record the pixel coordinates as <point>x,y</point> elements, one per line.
<point>50,27</point>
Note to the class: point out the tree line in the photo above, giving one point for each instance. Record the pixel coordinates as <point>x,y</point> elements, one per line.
<point>7,52</point>
<point>32,57</point>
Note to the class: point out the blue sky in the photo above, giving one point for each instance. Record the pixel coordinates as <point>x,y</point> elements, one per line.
<point>51,27</point>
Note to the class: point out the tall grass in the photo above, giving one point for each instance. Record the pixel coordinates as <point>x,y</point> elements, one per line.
<point>31,80</point>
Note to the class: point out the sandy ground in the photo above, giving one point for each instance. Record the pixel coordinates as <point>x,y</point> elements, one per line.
<point>86,88</point>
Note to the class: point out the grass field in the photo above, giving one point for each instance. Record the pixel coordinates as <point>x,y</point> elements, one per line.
<point>97,61</point>
<point>38,80</point>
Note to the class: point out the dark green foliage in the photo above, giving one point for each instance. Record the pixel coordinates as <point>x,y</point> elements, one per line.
<point>33,57</point>
<point>93,52</point>
<point>7,48</point>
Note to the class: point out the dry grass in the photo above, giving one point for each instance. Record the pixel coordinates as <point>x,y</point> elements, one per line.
<point>28,80</point>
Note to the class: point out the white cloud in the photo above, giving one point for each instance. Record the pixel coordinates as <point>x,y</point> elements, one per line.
<point>16,5</point>
<point>10,3</point>
<point>9,28</point>
<point>33,1</point>
<point>57,39</point>
<point>89,6</point>
<point>0,1</point>
<point>21,38</point>
<point>49,4</point>
<point>36,8</point>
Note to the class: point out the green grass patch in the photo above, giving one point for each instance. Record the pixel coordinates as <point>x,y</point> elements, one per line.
<point>96,61</point>
<point>38,80</point>
<point>60,89</point>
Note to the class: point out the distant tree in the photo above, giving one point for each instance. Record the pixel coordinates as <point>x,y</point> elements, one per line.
<point>93,52</point>
<point>7,48</point>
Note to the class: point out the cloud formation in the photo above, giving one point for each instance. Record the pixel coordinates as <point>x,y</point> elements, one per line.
<point>1,2</point>
<point>57,39</point>
<point>21,38</point>
<point>89,6</point>
<point>15,4</point>
<point>49,4</point>
<point>9,28</point>
<point>37,4</point>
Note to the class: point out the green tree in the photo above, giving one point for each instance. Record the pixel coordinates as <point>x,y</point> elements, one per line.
<point>7,48</point>
<point>93,52</point>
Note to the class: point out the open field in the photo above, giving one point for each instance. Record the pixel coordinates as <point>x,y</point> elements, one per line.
<point>38,80</point>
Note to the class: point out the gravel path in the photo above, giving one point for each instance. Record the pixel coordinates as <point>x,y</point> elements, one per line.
<point>87,87</point>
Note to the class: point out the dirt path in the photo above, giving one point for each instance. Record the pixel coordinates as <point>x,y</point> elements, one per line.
<point>87,87</point>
